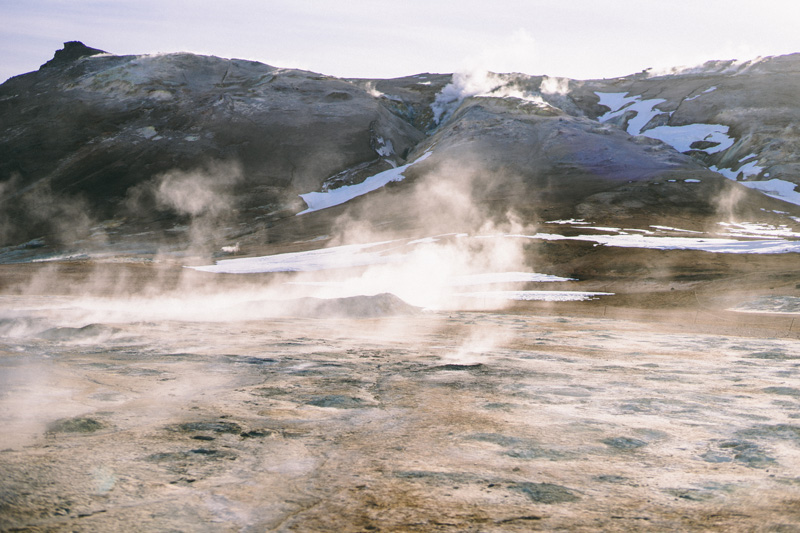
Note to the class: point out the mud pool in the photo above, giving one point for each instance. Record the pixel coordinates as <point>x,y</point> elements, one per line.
<point>437,422</point>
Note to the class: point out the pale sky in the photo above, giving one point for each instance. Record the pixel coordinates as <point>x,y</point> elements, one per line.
<point>379,39</point>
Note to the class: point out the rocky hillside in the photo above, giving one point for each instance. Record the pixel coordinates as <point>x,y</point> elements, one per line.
<point>94,144</point>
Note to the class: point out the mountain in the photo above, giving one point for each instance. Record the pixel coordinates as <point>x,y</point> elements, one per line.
<point>96,149</point>
<point>273,300</point>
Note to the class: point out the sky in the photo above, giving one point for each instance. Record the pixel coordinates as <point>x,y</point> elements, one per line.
<point>579,39</point>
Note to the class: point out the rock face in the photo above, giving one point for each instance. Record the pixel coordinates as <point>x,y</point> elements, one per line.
<point>127,142</point>
<point>72,51</point>
<point>755,101</point>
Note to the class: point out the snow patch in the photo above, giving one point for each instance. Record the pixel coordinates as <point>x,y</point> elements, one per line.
<point>385,148</point>
<point>733,67</point>
<point>747,170</point>
<point>574,221</point>
<point>682,137</point>
<point>487,278</point>
<point>425,240</point>
<point>602,228</point>
<point>667,228</point>
<point>350,255</point>
<point>775,188</point>
<point>710,89</point>
<point>751,229</point>
<point>679,137</point>
<point>160,95</point>
<point>644,109</point>
<point>727,246</point>
<point>771,304</point>
<point>542,296</point>
<point>148,132</point>
<point>322,200</point>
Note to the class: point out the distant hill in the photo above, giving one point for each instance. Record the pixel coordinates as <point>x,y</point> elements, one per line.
<point>99,148</point>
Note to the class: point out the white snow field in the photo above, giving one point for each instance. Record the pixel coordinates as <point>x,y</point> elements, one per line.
<point>620,104</point>
<point>428,275</point>
<point>724,246</point>
<point>679,137</point>
<point>682,137</point>
<point>541,296</point>
<point>750,229</point>
<point>323,200</point>
<point>355,255</point>
<point>350,255</point>
<point>775,188</point>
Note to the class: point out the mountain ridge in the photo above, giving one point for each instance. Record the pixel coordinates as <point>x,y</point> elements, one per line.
<point>114,140</point>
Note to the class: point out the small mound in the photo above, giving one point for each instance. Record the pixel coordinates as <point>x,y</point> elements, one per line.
<point>379,305</point>
<point>75,425</point>
<point>90,332</point>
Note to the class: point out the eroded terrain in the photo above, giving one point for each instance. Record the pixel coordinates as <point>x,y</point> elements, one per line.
<point>436,422</point>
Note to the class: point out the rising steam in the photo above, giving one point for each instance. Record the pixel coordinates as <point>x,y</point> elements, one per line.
<point>477,83</point>
<point>204,197</point>
<point>554,86</point>
<point>39,211</point>
<point>453,228</point>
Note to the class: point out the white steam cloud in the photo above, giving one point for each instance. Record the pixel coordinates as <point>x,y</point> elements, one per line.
<point>205,196</point>
<point>450,223</point>
<point>554,86</point>
<point>477,83</point>
<point>59,217</point>
<point>198,193</point>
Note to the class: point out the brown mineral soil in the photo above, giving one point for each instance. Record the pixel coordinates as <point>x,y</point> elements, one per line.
<point>652,410</point>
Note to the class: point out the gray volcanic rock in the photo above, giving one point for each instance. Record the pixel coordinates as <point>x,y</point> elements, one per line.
<point>544,143</point>
<point>410,97</point>
<point>97,127</point>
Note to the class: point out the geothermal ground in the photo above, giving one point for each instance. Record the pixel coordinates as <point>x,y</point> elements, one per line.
<point>580,416</point>
<point>237,297</point>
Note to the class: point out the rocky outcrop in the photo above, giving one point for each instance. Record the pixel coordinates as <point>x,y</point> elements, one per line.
<point>72,51</point>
